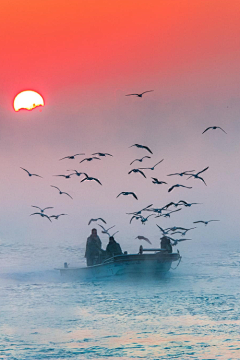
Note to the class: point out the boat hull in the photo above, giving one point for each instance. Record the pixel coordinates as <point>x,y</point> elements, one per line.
<point>130,265</point>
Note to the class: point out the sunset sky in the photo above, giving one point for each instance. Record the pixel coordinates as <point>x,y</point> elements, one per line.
<point>83,57</point>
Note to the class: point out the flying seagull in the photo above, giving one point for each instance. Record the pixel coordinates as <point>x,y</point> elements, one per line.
<point>76,173</point>
<point>139,237</point>
<point>61,192</point>
<point>164,232</point>
<point>177,185</point>
<point>204,222</point>
<point>29,174</point>
<point>66,176</point>
<point>56,216</point>
<point>90,178</point>
<point>182,202</point>
<point>106,231</point>
<point>89,159</point>
<point>42,215</point>
<point>139,212</point>
<point>128,193</point>
<point>137,171</point>
<point>102,154</point>
<point>140,95</point>
<point>42,210</point>
<point>71,156</point>
<point>214,128</point>
<point>156,181</point>
<point>140,160</point>
<point>196,176</point>
<point>182,173</point>
<point>96,220</point>
<point>176,241</point>
<point>152,168</point>
<point>141,147</point>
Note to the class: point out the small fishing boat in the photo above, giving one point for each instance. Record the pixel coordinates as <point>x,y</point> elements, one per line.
<point>148,262</point>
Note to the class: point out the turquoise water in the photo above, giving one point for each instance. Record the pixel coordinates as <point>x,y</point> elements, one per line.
<point>192,313</point>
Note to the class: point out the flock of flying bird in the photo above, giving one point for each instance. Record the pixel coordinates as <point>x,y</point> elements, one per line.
<point>164,211</point>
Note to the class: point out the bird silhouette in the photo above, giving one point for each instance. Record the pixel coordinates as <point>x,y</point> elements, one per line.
<point>204,222</point>
<point>182,173</point>
<point>61,192</point>
<point>153,167</point>
<point>42,215</point>
<point>137,171</point>
<point>140,160</point>
<point>214,128</point>
<point>89,159</point>
<point>102,154</point>
<point>178,185</point>
<point>128,193</point>
<point>56,216</point>
<point>29,174</point>
<point>140,237</point>
<point>90,178</point>
<point>156,181</point>
<point>70,157</point>
<point>140,95</point>
<point>196,176</point>
<point>96,220</point>
<point>42,210</point>
<point>141,147</point>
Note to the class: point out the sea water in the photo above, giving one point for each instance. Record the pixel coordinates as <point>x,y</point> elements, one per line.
<point>192,313</point>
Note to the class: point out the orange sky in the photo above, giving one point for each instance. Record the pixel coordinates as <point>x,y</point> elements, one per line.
<point>51,45</point>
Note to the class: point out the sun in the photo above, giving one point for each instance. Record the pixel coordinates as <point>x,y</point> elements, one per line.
<point>27,99</point>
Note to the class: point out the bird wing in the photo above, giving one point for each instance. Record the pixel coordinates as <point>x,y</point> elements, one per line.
<point>131,94</point>
<point>148,157</point>
<point>158,163</point>
<point>25,170</point>
<point>147,148</point>
<point>66,157</point>
<point>199,177</point>
<point>133,161</point>
<point>78,154</point>
<point>202,170</point>
<point>200,221</point>
<point>134,195</point>
<point>147,240</point>
<point>82,160</point>
<point>221,129</point>
<point>36,213</point>
<point>173,174</point>
<point>171,188</point>
<point>119,194</point>
<point>141,172</point>
<point>84,179</point>
<point>130,171</point>
<point>36,175</point>
<point>49,207</point>
<point>102,227</point>
<point>97,180</point>
<point>160,228</point>
<point>55,187</point>
<point>213,220</point>
<point>210,127</point>
<point>36,207</point>
<point>67,194</point>
<point>102,220</point>
<point>115,233</point>
<point>147,91</point>
<point>155,179</point>
<point>188,187</point>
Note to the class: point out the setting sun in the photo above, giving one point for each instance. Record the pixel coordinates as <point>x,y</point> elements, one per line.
<point>27,99</point>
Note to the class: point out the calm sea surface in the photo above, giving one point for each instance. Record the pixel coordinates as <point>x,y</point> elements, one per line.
<point>192,313</point>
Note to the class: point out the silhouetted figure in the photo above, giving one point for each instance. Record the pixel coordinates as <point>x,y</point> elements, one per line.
<point>166,244</point>
<point>113,248</point>
<point>93,249</point>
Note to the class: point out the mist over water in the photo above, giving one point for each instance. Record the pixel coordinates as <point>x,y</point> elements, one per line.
<point>191,313</point>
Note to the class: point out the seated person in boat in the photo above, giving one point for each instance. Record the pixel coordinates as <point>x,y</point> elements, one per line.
<point>113,248</point>
<point>166,244</point>
<point>94,251</point>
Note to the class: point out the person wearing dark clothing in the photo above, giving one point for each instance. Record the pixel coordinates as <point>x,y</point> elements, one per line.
<point>93,249</point>
<point>113,248</point>
<point>166,244</point>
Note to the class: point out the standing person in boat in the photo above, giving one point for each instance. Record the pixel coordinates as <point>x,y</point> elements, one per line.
<point>93,249</point>
<point>166,244</point>
<point>113,248</point>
